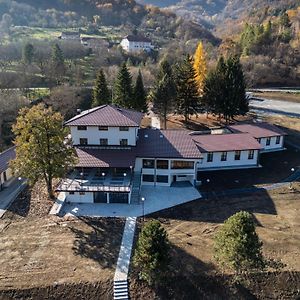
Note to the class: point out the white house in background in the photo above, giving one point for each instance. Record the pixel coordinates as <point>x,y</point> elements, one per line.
<point>136,43</point>
<point>269,136</point>
<point>5,172</point>
<point>116,157</point>
<point>70,35</point>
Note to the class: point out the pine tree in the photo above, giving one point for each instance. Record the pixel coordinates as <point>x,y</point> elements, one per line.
<point>58,63</point>
<point>237,245</point>
<point>187,97</point>
<point>200,67</point>
<point>123,95</point>
<point>101,94</point>
<point>139,94</point>
<point>152,255</point>
<point>28,54</point>
<point>164,92</point>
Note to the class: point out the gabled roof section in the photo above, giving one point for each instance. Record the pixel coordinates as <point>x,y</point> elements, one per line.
<point>154,143</point>
<point>226,142</point>
<point>5,157</point>
<point>137,38</point>
<point>107,115</point>
<point>258,130</point>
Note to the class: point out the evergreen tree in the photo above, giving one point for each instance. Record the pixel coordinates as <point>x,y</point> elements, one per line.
<point>200,67</point>
<point>139,93</point>
<point>237,245</point>
<point>152,255</point>
<point>164,92</point>
<point>101,94</point>
<point>28,54</point>
<point>58,63</point>
<point>123,95</point>
<point>187,98</point>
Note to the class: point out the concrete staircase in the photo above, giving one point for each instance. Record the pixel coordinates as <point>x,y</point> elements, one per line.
<point>121,290</point>
<point>136,185</point>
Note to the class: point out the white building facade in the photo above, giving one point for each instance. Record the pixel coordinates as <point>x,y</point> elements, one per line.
<point>134,43</point>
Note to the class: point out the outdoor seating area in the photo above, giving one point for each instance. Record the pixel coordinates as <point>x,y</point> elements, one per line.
<point>97,179</point>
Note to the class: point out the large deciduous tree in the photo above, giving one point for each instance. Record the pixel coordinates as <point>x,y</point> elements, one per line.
<point>122,93</point>
<point>237,245</point>
<point>187,97</point>
<point>41,150</point>
<point>152,255</point>
<point>58,68</point>
<point>200,66</point>
<point>164,92</point>
<point>101,94</point>
<point>139,94</point>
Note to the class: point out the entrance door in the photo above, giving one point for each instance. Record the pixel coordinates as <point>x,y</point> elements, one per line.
<point>100,197</point>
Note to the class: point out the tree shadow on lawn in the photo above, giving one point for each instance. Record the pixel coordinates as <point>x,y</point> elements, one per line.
<point>101,241</point>
<point>217,209</point>
<point>21,205</point>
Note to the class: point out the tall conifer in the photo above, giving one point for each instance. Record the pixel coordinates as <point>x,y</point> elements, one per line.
<point>139,93</point>
<point>200,67</point>
<point>101,94</point>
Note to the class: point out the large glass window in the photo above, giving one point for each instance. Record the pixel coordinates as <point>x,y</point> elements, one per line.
<point>162,178</point>
<point>81,127</point>
<point>162,164</point>
<point>83,141</point>
<point>148,163</point>
<point>278,140</point>
<point>148,178</point>
<point>118,198</point>
<point>179,164</point>
<point>224,156</point>
<point>210,156</point>
<point>237,155</point>
<point>268,142</point>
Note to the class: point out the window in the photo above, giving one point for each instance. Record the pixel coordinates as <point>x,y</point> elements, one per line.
<point>148,163</point>
<point>148,178</point>
<point>71,193</point>
<point>278,140</point>
<point>103,142</point>
<point>81,127</point>
<point>268,142</point>
<point>124,128</point>
<point>177,164</point>
<point>259,140</point>
<point>83,141</point>
<point>124,142</point>
<point>81,193</point>
<point>224,156</point>
<point>162,178</point>
<point>251,154</point>
<point>162,164</point>
<point>210,156</point>
<point>103,128</point>
<point>237,155</point>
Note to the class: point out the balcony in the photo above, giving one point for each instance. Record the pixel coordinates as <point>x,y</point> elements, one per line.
<point>97,180</point>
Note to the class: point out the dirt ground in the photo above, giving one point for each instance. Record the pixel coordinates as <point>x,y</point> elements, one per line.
<point>195,275</point>
<point>42,251</point>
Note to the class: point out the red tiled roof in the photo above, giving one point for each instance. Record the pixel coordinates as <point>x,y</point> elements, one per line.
<point>5,157</point>
<point>166,144</point>
<point>226,142</point>
<point>137,38</point>
<point>105,158</point>
<point>107,115</point>
<point>258,130</point>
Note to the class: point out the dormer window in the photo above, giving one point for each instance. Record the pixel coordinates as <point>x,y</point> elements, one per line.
<point>124,128</point>
<point>81,127</point>
<point>103,128</point>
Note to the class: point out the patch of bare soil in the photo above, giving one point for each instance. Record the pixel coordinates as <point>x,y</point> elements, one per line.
<point>46,257</point>
<point>194,273</point>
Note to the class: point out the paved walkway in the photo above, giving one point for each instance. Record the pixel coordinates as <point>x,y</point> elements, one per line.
<point>155,122</point>
<point>9,194</point>
<point>156,199</point>
<point>125,250</point>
